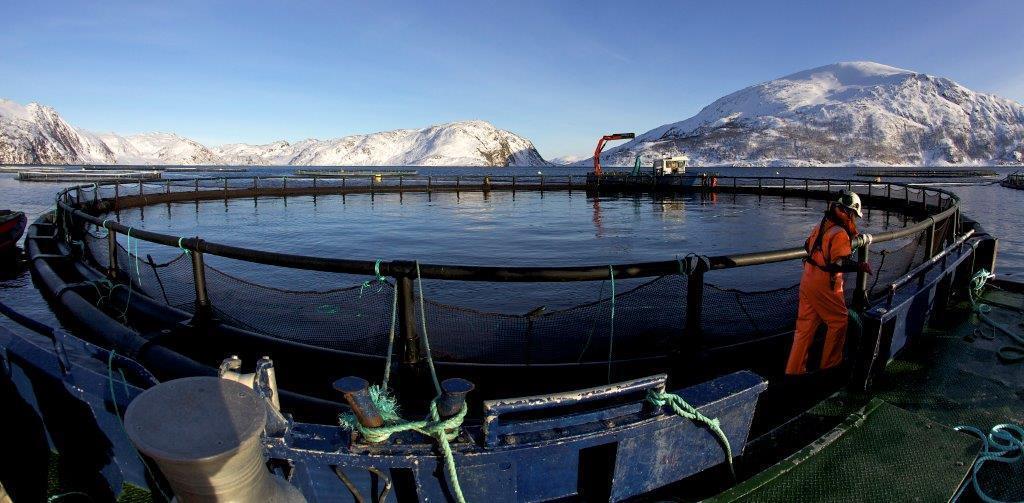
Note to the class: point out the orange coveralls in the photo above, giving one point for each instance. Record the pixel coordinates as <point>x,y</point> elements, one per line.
<point>821,300</point>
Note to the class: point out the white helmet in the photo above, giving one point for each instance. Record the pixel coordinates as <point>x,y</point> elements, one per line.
<point>851,201</point>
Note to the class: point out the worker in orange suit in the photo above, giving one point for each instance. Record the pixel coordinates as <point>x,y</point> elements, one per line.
<point>821,287</point>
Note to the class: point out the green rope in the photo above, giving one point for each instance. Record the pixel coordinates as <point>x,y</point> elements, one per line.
<point>1010,353</point>
<point>1003,444</point>
<point>391,339</point>
<point>611,326</point>
<point>687,411</point>
<point>183,249</point>
<point>117,414</point>
<point>380,280</point>
<point>423,324</point>
<point>441,430</point>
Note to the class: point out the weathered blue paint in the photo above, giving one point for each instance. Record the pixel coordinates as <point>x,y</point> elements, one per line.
<point>538,459</point>
<point>889,326</point>
<point>65,382</point>
<point>652,448</point>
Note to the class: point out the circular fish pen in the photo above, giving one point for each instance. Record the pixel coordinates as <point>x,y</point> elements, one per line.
<point>183,316</point>
<point>926,173</point>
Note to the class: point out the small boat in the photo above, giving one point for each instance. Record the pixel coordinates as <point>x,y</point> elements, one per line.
<point>342,173</point>
<point>12,225</point>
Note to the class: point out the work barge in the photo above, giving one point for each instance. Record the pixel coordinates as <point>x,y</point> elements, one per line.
<point>689,406</point>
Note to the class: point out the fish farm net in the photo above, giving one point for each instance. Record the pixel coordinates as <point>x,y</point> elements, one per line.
<point>650,316</point>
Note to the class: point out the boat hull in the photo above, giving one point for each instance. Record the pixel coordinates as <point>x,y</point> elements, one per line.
<point>11,229</point>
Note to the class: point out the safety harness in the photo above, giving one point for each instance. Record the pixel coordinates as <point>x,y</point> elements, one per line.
<point>829,267</point>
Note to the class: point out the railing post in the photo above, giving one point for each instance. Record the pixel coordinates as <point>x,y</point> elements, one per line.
<point>111,253</point>
<point>407,319</point>
<point>860,293</point>
<point>930,236</point>
<point>199,278</point>
<point>513,184</point>
<point>695,269</point>
<point>197,188</point>
<point>141,192</point>
<point>117,194</point>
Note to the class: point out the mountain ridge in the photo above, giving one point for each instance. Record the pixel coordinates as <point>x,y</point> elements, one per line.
<point>848,113</point>
<point>36,134</point>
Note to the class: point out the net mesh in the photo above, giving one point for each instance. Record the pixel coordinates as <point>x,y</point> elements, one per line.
<point>650,317</point>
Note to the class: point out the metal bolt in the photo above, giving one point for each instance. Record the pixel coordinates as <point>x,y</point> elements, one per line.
<point>356,391</point>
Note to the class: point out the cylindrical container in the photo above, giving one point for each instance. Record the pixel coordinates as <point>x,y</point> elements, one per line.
<point>204,434</point>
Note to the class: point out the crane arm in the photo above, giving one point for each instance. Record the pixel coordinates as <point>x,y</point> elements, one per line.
<point>600,146</point>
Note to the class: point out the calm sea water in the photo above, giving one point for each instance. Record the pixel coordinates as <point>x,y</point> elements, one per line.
<point>555,228</point>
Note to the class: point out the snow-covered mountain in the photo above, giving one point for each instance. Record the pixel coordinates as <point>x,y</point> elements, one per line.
<point>566,160</point>
<point>845,113</point>
<point>35,134</point>
<point>467,143</point>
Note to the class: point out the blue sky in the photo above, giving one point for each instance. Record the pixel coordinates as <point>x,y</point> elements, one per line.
<point>559,73</point>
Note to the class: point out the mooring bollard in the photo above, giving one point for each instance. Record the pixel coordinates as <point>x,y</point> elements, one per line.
<point>204,433</point>
<point>356,392</point>
<point>453,396</point>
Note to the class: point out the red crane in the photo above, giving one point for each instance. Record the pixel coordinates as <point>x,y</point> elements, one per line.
<point>600,146</point>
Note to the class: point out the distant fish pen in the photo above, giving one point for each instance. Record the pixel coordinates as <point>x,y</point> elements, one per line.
<point>342,173</point>
<point>98,176</point>
<point>1014,181</point>
<point>926,173</point>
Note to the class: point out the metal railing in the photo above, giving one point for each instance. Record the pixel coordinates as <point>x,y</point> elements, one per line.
<point>934,206</point>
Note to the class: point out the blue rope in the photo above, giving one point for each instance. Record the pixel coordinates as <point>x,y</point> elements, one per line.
<point>1003,444</point>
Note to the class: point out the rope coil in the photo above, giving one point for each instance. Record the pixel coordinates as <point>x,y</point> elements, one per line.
<point>1003,444</point>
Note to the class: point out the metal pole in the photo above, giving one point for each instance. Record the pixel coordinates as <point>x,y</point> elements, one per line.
<point>860,294</point>
<point>930,236</point>
<point>407,320</point>
<point>199,278</point>
<point>141,192</point>
<point>117,194</point>
<point>694,300</point>
<point>111,253</point>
